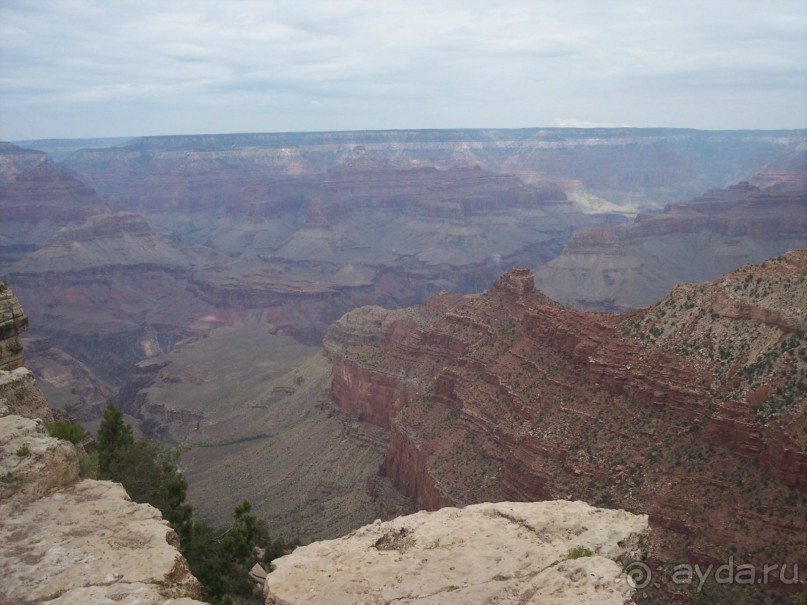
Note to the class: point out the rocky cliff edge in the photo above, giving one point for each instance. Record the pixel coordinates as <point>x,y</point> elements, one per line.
<point>65,540</point>
<point>551,553</point>
<point>13,321</point>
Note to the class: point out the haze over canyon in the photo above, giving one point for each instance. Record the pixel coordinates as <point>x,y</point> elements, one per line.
<point>344,326</point>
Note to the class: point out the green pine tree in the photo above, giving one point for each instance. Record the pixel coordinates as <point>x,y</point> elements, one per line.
<point>114,438</point>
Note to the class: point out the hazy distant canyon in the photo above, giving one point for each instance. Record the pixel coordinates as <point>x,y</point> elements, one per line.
<point>192,278</point>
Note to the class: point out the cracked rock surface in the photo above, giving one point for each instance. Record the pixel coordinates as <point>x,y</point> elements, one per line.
<point>507,552</point>
<point>88,543</point>
<point>32,462</point>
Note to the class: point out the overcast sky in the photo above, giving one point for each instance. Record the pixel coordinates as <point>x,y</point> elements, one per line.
<point>82,68</point>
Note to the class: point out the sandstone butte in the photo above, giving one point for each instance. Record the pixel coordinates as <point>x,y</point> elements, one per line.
<point>691,411</point>
<point>65,539</point>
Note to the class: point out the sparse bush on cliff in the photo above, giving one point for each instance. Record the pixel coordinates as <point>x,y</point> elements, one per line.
<point>69,431</point>
<point>149,474</point>
<point>578,552</point>
<point>88,465</point>
<point>74,433</point>
<point>221,560</point>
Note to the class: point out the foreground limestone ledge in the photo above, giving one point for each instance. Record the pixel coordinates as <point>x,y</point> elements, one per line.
<point>20,395</point>
<point>486,553</point>
<point>32,463</point>
<point>88,543</point>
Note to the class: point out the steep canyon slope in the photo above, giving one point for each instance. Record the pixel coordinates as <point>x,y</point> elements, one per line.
<point>249,408</point>
<point>304,227</point>
<point>693,411</point>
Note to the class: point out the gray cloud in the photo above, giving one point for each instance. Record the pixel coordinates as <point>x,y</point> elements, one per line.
<point>94,68</point>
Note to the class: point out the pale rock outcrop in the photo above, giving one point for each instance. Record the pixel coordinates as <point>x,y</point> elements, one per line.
<point>77,542</point>
<point>32,463</point>
<point>85,541</point>
<point>258,574</point>
<point>88,543</point>
<point>20,395</point>
<point>485,553</point>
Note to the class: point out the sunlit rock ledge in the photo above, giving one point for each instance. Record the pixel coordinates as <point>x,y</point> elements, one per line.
<point>485,553</point>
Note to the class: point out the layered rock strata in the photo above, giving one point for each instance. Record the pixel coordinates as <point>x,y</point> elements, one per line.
<point>13,322</point>
<point>621,267</point>
<point>505,553</point>
<point>646,165</point>
<point>34,189</point>
<point>691,411</point>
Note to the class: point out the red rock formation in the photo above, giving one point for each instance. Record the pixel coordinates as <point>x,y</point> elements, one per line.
<point>509,396</point>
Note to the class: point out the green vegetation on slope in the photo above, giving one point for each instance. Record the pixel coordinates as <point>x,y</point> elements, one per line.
<point>220,559</point>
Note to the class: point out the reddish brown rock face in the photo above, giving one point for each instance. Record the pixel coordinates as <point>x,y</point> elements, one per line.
<point>692,411</point>
<point>34,189</point>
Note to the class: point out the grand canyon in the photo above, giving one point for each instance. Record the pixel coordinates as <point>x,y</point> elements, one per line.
<point>350,326</point>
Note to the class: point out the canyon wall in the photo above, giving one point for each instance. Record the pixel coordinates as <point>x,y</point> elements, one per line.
<point>649,166</point>
<point>691,411</point>
<point>120,252</point>
<point>13,322</point>
<point>619,267</point>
